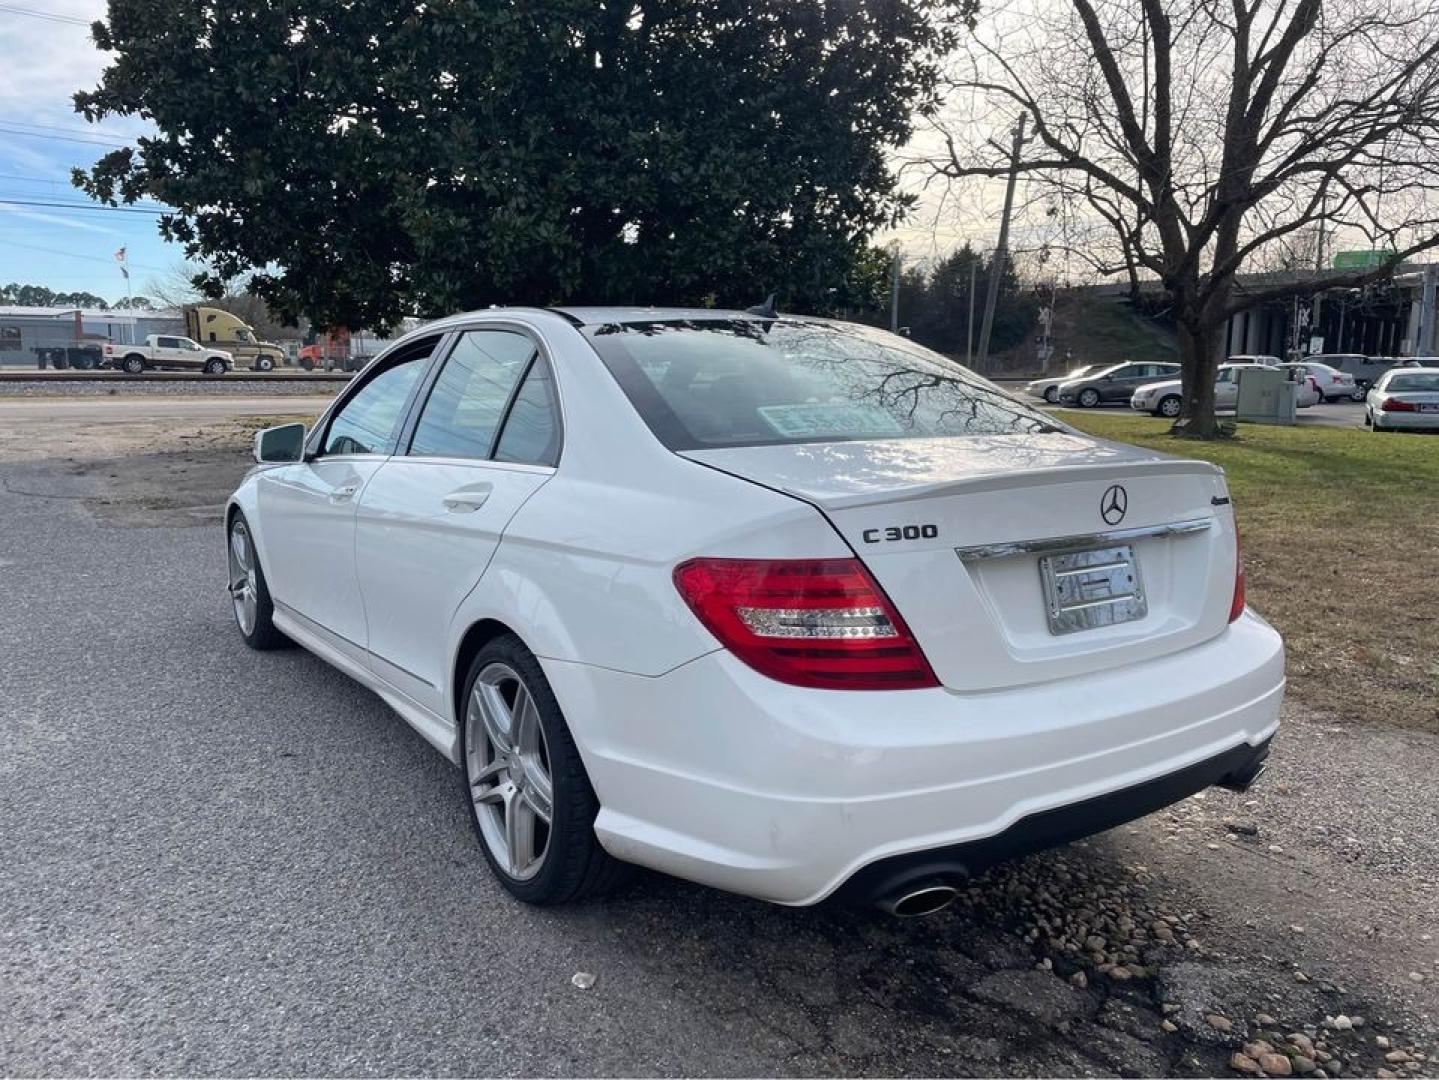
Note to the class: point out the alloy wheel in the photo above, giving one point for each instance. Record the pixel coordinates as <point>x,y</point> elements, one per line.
<point>507,763</point>
<point>244,583</point>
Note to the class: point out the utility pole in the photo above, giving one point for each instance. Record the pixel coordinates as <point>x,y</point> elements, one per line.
<point>969,323</point>
<point>894,293</point>
<point>1001,250</point>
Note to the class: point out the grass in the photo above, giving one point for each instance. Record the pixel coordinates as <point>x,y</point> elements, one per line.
<point>1341,545</point>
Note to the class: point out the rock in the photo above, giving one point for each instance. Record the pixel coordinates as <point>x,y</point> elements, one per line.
<point>1381,1041</point>
<point>1300,977</point>
<point>1258,1048</point>
<point>1276,1065</point>
<point>1357,1021</point>
<point>1397,1057</point>
<point>1416,976</point>
<point>1169,1008</point>
<point>1265,1020</point>
<point>1168,1025</point>
<point>1303,1065</point>
<point>1387,1074</point>
<point>1220,1023</point>
<point>1243,828</point>
<point>1120,972</point>
<point>1244,1063</point>
<point>1079,979</point>
<point>582,980</point>
<point>1343,1023</point>
<point>1095,943</point>
<point>1301,1042</point>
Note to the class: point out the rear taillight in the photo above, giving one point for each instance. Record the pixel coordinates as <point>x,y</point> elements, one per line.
<point>1395,405</point>
<point>808,622</point>
<point>1336,378</point>
<point>1236,605</point>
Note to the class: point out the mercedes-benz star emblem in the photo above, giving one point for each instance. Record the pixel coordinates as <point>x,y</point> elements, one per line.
<point>1114,504</point>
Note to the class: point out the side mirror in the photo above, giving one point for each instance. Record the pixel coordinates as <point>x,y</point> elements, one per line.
<point>283,443</point>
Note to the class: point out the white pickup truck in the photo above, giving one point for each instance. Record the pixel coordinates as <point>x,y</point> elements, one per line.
<point>162,351</point>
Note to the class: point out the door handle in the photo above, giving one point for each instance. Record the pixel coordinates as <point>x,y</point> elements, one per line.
<point>468,500</point>
<point>344,494</point>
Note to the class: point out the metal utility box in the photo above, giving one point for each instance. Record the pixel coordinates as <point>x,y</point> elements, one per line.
<point>1267,395</point>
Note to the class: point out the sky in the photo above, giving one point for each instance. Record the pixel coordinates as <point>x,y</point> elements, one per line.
<point>45,56</point>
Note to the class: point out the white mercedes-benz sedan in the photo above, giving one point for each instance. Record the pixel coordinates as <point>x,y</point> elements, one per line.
<point>789,607</point>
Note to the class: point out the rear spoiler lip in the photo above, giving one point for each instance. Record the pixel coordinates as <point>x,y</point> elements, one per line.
<point>985,482</point>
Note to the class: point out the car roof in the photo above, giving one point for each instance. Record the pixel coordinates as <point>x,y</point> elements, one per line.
<point>597,316</point>
<point>1414,371</point>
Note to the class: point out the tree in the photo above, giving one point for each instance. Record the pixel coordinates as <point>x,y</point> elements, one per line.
<point>934,303</point>
<point>370,160</point>
<point>40,296</point>
<point>134,303</point>
<point>1191,138</point>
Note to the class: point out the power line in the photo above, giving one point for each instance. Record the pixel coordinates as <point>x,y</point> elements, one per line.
<point>48,16</point>
<point>74,255</point>
<point>44,196</point>
<point>7,128</point>
<point>80,206</point>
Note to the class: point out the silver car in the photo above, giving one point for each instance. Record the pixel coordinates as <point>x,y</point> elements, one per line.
<point>1048,386</point>
<point>1331,383</point>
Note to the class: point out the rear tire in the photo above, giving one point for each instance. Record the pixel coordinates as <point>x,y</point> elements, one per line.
<point>307,365</point>
<point>1089,397</point>
<point>134,364</point>
<point>500,777</point>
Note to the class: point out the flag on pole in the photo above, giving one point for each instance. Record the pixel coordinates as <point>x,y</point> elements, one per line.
<point>120,258</point>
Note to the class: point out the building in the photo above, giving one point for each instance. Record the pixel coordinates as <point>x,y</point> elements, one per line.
<point>23,330</point>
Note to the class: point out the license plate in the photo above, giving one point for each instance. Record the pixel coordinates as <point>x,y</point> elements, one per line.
<point>1426,407</point>
<point>1084,590</point>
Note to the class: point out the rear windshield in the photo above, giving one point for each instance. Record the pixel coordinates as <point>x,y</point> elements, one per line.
<point>744,382</point>
<point>1411,382</point>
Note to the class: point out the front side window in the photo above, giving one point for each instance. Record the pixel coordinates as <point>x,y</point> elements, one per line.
<point>722,382</point>
<point>368,421</point>
<point>468,402</point>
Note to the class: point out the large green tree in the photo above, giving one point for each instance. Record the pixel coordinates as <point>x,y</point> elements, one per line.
<point>374,158</point>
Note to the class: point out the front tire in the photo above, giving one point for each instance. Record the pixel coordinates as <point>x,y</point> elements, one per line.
<point>1169,406</point>
<point>249,593</point>
<point>264,363</point>
<point>530,800</point>
<point>1051,394</point>
<point>1089,397</point>
<point>214,366</point>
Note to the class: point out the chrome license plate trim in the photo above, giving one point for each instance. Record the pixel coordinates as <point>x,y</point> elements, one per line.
<point>1092,588</point>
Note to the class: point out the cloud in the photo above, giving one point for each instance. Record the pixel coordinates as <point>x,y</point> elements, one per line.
<point>55,219</point>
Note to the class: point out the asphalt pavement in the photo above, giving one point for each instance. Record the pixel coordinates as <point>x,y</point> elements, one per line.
<point>217,861</point>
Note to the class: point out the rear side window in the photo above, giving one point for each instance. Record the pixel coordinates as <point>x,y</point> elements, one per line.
<point>739,382</point>
<point>494,397</point>
<point>532,429</point>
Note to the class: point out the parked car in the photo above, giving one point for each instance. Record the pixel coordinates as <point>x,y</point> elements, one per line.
<point>1116,383</point>
<point>1262,359</point>
<point>1404,399</point>
<point>164,351</point>
<point>1331,383</point>
<point>1167,398</point>
<point>1048,387</point>
<point>784,606</point>
<point>1364,370</point>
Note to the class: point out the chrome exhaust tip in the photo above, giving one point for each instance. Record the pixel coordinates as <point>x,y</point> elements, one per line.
<point>918,902</point>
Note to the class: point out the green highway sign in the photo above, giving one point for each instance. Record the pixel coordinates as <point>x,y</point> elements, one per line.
<point>1360,260</point>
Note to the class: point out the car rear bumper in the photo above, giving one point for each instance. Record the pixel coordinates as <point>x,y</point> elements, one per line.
<point>719,775</point>
<point>1405,421</point>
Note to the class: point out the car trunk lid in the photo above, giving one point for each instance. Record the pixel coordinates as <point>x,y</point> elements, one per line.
<point>1019,559</point>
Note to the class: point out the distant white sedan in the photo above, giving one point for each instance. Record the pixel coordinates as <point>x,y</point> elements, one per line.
<point>1404,399</point>
<point>1167,398</point>
<point>1331,383</point>
<point>781,605</point>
